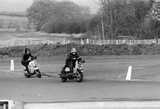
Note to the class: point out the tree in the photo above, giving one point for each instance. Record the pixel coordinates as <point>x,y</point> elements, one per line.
<point>51,16</point>
<point>123,17</point>
<point>40,12</point>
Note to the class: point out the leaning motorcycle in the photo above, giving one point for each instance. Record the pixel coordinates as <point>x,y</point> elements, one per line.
<point>70,73</point>
<point>33,69</point>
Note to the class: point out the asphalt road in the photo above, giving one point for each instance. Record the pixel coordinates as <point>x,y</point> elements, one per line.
<point>104,80</point>
<point>51,89</point>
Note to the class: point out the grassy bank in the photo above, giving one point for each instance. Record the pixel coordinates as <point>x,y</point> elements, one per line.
<point>85,50</point>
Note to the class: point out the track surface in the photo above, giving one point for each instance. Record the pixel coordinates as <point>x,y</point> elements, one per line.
<point>104,80</point>
<point>53,90</point>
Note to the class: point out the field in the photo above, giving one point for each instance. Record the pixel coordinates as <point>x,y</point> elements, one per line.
<point>16,22</point>
<point>13,38</point>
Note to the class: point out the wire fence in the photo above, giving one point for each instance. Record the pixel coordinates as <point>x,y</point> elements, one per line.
<point>120,42</point>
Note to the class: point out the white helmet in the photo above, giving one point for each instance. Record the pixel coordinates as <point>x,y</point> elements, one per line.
<point>73,50</point>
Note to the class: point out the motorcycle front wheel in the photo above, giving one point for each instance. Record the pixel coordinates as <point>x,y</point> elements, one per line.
<point>39,74</point>
<point>79,77</point>
<point>63,79</point>
<point>27,75</point>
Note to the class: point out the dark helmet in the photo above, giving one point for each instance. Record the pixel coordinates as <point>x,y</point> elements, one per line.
<point>27,50</point>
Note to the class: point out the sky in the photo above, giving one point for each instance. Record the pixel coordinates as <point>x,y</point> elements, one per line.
<point>22,5</point>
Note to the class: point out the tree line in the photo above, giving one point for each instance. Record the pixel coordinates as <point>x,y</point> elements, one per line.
<point>114,18</point>
<point>58,17</point>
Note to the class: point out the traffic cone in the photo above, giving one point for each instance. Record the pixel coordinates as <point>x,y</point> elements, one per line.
<point>129,73</point>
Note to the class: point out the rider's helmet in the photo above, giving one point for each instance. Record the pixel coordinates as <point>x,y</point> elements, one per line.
<point>27,51</point>
<point>73,51</point>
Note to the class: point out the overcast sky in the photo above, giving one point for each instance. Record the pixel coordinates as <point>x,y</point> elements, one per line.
<point>22,5</point>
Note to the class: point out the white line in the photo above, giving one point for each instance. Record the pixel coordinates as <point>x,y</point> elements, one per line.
<point>94,105</point>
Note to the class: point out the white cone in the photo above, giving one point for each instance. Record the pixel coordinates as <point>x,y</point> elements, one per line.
<point>82,43</point>
<point>12,65</point>
<point>129,73</point>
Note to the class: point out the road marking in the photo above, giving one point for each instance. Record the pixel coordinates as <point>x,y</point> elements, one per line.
<point>94,105</point>
<point>50,75</point>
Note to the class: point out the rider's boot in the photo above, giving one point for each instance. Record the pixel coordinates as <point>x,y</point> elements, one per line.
<point>27,69</point>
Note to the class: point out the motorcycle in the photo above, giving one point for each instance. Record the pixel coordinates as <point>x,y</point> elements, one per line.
<point>33,69</point>
<point>70,73</point>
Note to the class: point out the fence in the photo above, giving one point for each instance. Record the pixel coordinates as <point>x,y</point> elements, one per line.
<point>119,42</point>
<point>64,41</point>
